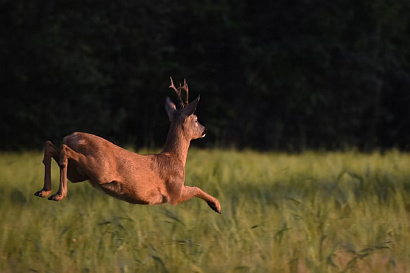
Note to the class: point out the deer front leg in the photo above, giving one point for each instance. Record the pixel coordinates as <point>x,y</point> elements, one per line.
<point>189,192</point>
<point>50,151</point>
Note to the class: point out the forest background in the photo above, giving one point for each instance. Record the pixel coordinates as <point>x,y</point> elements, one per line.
<point>272,75</point>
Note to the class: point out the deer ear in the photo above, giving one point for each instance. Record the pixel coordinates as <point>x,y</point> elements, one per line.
<point>170,108</point>
<point>190,108</point>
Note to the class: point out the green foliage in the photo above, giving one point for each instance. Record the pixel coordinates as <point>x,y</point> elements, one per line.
<point>314,212</point>
<point>273,74</point>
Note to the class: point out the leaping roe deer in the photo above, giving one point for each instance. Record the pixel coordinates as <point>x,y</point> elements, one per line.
<point>139,179</point>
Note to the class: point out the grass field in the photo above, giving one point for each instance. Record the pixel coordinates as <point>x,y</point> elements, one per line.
<point>314,212</point>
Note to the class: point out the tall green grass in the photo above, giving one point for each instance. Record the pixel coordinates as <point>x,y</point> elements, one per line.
<point>314,212</point>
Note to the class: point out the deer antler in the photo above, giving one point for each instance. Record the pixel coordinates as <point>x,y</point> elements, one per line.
<point>178,90</point>
<point>185,89</point>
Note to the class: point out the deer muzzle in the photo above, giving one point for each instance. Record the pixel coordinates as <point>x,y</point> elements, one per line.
<point>204,133</point>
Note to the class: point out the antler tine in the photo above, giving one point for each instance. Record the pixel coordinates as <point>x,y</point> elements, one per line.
<point>185,89</point>
<point>172,86</point>
<point>178,91</point>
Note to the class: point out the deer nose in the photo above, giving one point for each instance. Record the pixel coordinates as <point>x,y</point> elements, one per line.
<point>204,132</point>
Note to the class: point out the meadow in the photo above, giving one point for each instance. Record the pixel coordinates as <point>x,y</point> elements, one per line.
<point>311,212</point>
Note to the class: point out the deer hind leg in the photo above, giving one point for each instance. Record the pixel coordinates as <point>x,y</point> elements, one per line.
<point>50,151</point>
<point>66,153</point>
<point>189,192</point>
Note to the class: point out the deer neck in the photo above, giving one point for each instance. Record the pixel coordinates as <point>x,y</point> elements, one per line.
<point>177,144</point>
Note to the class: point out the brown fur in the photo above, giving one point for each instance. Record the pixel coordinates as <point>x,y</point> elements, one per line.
<point>139,179</point>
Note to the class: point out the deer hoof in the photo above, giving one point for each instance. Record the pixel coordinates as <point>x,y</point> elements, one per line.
<point>215,206</point>
<point>42,193</point>
<point>56,197</point>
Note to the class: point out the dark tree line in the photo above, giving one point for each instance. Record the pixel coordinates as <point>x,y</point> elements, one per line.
<point>285,75</point>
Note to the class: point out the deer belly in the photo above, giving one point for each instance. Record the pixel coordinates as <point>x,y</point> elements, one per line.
<point>118,190</point>
<point>74,173</point>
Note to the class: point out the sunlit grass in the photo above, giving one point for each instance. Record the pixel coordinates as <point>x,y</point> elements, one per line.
<point>314,212</point>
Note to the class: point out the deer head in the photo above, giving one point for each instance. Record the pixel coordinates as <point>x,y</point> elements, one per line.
<point>182,114</point>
